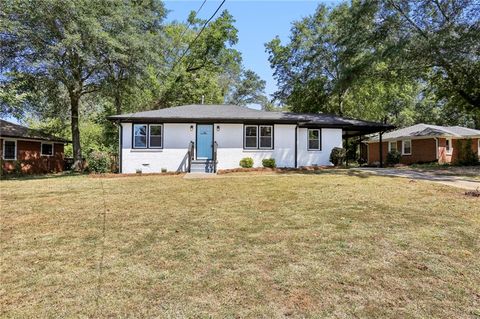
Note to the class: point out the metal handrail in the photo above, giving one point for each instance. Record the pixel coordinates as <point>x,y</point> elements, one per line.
<point>190,154</point>
<point>215,146</point>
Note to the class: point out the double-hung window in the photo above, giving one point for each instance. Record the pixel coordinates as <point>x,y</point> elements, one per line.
<point>448,145</point>
<point>147,136</point>
<point>9,149</point>
<point>266,136</point>
<point>314,140</point>
<point>140,135</point>
<point>258,137</point>
<point>392,146</point>
<point>251,136</point>
<point>155,136</point>
<point>46,149</point>
<point>407,147</point>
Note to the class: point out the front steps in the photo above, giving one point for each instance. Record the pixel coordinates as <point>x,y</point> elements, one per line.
<point>202,166</point>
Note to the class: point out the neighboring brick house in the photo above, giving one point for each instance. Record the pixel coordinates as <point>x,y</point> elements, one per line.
<point>30,151</point>
<point>423,143</point>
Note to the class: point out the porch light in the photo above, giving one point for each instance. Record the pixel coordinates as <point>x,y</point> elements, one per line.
<point>218,128</point>
<point>191,128</point>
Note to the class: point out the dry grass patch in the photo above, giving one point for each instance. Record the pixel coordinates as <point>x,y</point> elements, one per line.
<point>271,246</point>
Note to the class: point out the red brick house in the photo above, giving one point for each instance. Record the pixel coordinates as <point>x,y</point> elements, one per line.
<point>423,143</point>
<point>29,151</point>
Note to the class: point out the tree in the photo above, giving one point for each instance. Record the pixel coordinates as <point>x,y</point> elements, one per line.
<point>441,39</point>
<point>65,50</point>
<point>401,61</point>
<point>204,68</point>
<point>249,88</point>
<point>327,54</point>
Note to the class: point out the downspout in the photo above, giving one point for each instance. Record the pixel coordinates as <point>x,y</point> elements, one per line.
<point>296,146</point>
<point>120,142</point>
<point>381,149</point>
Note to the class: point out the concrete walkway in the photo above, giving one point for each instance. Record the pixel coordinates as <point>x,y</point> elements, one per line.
<point>199,175</point>
<point>456,181</point>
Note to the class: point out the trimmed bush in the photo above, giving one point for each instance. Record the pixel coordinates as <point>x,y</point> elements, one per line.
<point>269,162</point>
<point>466,155</point>
<point>246,162</point>
<point>393,157</point>
<point>98,162</point>
<point>337,156</point>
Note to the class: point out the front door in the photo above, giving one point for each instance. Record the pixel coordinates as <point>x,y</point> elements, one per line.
<point>204,141</point>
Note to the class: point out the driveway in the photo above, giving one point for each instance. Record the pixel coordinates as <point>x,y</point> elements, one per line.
<point>464,182</point>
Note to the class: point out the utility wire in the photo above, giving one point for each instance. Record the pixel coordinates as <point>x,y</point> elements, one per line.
<point>103,214</point>
<point>170,51</point>
<point>189,23</point>
<point>197,36</point>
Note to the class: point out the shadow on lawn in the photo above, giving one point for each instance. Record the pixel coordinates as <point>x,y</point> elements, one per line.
<point>13,177</point>
<point>348,172</point>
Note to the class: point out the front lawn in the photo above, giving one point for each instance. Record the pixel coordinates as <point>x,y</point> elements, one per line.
<point>326,245</point>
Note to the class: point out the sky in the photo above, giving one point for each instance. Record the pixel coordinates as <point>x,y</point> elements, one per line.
<point>257,22</point>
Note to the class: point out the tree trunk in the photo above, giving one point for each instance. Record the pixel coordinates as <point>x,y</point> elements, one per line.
<point>77,150</point>
<point>118,103</point>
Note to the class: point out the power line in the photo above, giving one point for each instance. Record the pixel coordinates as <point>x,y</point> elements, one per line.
<point>170,51</point>
<point>190,23</point>
<point>198,35</point>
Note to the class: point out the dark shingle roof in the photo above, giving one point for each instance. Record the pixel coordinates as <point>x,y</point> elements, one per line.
<point>240,114</point>
<point>421,129</point>
<point>8,129</point>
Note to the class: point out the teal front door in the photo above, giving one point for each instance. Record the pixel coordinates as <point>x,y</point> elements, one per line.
<point>204,141</point>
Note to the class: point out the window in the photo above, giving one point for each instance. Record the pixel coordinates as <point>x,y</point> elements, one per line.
<point>155,136</point>
<point>266,137</point>
<point>392,146</point>
<point>448,145</point>
<point>478,151</point>
<point>147,136</point>
<point>314,140</point>
<point>9,150</point>
<point>407,147</point>
<point>47,149</point>
<point>251,134</point>
<point>140,136</point>
<point>258,137</point>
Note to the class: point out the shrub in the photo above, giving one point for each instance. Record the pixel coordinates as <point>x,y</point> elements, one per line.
<point>164,170</point>
<point>98,162</point>
<point>18,168</point>
<point>269,162</point>
<point>393,157</point>
<point>466,155</point>
<point>337,156</point>
<point>246,162</point>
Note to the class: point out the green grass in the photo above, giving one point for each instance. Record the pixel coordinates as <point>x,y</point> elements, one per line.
<point>326,245</point>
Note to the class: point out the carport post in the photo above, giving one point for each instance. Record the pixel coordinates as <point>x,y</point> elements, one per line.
<point>346,150</point>
<point>381,149</point>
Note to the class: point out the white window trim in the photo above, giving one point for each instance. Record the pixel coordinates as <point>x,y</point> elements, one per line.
<point>478,149</point>
<point>245,138</point>
<point>390,146</point>
<point>403,147</point>
<point>41,148</point>
<point>149,134</point>
<point>3,150</point>
<point>319,139</point>
<point>450,150</point>
<point>146,137</point>
<point>259,134</point>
